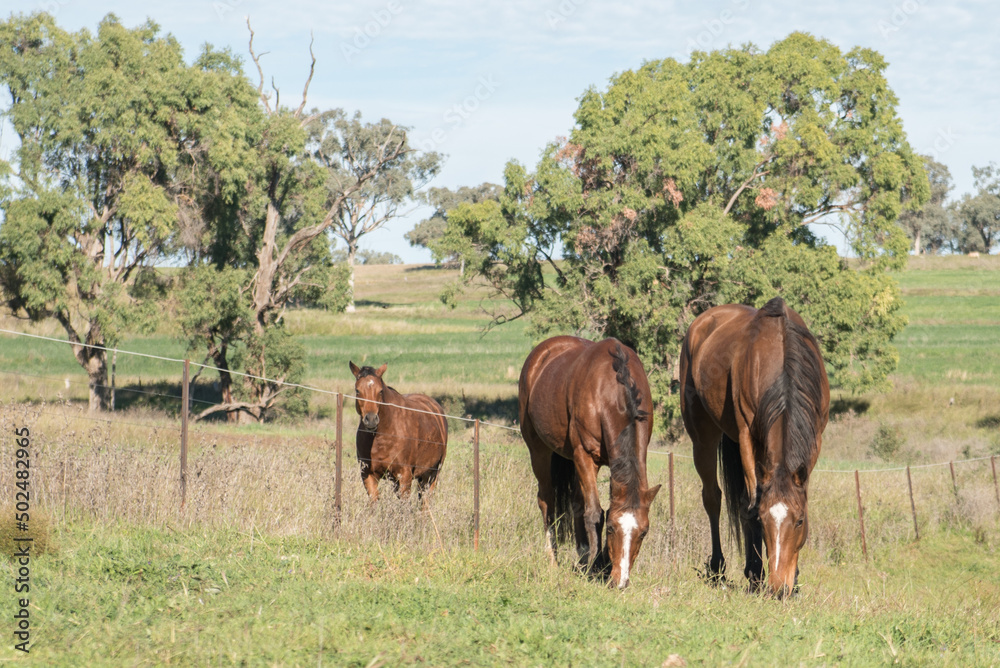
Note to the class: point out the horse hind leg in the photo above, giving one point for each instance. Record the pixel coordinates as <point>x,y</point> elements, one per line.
<point>541,466</point>
<point>705,462</point>
<point>425,487</point>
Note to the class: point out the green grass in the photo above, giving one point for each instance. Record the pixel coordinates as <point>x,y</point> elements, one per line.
<point>116,594</point>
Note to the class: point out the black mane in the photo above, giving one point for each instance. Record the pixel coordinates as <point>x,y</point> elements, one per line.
<point>797,395</point>
<point>624,463</point>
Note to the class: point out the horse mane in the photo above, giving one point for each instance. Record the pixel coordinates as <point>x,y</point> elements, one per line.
<point>624,460</point>
<point>796,395</point>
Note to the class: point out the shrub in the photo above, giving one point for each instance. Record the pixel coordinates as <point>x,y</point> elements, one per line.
<point>886,442</point>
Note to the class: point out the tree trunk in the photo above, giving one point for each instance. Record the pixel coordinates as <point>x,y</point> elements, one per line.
<point>94,360</point>
<point>916,243</point>
<point>220,357</point>
<point>352,253</point>
<point>97,371</point>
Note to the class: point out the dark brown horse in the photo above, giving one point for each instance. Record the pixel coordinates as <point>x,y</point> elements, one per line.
<point>402,436</point>
<point>754,391</point>
<point>581,408</point>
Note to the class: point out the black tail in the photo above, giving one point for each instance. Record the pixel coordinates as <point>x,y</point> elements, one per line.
<point>565,484</point>
<point>734,485</point>
<point>624,461</point>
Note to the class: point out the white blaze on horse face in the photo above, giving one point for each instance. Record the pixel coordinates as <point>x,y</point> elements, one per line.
<point>628,525</point>
<point>779,512</point>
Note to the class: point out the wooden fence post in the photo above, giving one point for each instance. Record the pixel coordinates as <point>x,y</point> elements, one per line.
<point>670,479</point>
<point>954,485</point>
<point>475,487</point>
<point>184,430</point>
<point>861,515</point>
<point>338,466</point>
<point>913,507</point>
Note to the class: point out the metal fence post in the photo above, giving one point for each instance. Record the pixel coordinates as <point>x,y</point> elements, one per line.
<point>670,480</point>
<point>338,468</point>
<point>184,430</point>
<point>861,515</point>
<point>913,507</point>
<point>475,487</point>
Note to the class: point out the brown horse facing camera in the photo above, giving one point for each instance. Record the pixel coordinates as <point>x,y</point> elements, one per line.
<point>754,391</point>
<point>402,436</point>
<point>581,408</point>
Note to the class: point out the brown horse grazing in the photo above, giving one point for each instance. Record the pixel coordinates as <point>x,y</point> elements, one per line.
<point>754,389</point>
<point>580,409</point>
<point>402,436</point>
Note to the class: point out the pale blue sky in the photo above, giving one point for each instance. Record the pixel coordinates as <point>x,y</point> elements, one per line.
<point>497,80</point>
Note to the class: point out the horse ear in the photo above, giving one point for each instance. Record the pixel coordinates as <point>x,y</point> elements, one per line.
<point>354,369</point>
<point>650,494</point>
<point>381,370</point>
<point>800,476</point>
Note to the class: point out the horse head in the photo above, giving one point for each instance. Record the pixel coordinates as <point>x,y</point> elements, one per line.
<point>627,524</point>
<point>785,526</point>
<point>368,388</point>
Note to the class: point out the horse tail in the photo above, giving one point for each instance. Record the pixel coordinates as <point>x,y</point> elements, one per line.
<point>624,460</point>
<point>565,483</point>
<point>734,484</point>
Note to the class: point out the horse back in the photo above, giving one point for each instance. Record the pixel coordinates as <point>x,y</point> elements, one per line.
<point>566,388</point>
<point>714,342</point>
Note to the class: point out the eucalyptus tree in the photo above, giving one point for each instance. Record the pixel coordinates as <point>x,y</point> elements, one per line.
<point>352,152</point>
<point>685,185</point>
<point>428,232</point>
<point>931,226</point>
<point>979,214</point>
<point>89,194</point>
<point>265,242</point>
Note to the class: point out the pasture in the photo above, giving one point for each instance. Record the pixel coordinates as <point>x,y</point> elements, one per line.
<point>252,571</point>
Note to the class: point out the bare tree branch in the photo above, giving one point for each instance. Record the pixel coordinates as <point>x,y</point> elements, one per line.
<point>312,69</point>
<point>256,61</point>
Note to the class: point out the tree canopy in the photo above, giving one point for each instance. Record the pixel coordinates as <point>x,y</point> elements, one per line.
<point>685,185</point>
<point>429,231</point>
<point>90,197</point>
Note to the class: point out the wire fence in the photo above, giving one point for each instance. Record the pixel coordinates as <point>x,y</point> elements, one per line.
<point>139,469</point>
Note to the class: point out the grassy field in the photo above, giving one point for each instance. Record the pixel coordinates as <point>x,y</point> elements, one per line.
<point>253,572</point>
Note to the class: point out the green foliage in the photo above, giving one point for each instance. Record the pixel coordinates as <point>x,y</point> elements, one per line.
<point>428,231</point>
<point>273,354</point>
<point>688,185</point>
<point>886,442</point>
<point>979,214</point>
<point>90,198</point>
<point>933,227</point>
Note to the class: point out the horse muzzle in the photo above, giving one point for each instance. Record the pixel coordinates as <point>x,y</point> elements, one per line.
<point>370,421</point>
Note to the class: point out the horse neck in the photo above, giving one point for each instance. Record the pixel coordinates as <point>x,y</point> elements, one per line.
<point>391,399</point>
<point>628,480</point>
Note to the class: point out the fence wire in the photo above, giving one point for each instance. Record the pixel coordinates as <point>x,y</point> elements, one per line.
<point>225,482</point>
